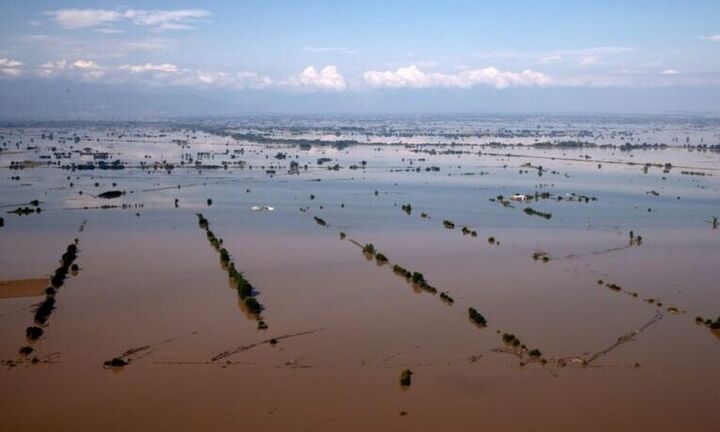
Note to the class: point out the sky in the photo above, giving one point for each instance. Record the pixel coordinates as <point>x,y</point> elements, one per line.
<point>267,56</point>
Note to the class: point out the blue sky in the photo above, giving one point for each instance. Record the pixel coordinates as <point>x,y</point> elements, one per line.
<point>347,49</point>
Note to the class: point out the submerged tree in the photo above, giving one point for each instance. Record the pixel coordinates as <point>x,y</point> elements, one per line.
<point>406,378</point>
<point>476,317</point>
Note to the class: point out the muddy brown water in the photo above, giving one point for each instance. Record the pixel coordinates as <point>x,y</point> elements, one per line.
<point>153,280</point>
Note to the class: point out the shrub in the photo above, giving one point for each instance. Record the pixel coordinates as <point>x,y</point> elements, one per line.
<point>33,332</point>
<point>532,212</point>
<point>224,256</point>
<point>202,221</point>
<point>476,317</point>
<point>401,271</point>
<point>253,305</point>
<point>468,231</point>
<point>44,310</point>
<point>508,338</point>
<point>369,249</point>
<point>116,362</point>
<point>446,297</point>
<point>244,288</point>
<point>405,378</point>
<point>110,194</point>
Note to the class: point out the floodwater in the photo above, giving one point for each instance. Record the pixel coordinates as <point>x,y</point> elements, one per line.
<point>151,289</point>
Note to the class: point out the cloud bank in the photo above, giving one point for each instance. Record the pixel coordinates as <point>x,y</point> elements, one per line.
<point>159,20</point>
<point>413,77</point>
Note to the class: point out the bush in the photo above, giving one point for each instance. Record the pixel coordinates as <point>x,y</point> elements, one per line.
<point>244,288</point>
<point>476,317</point>
<point>532,212</point>
<point>369,249</point>
<point>224,256</point>
<point>33,332</point>
<point>253,305</point>
<point>418,278</point>
<point>44,310</point>
<point>116,362</point>
<point>401,271</point>
<point>613,286</point>
<point>202,221</point>
<point>468,231</point>
<point>446,297</point>
<point>405,378</point>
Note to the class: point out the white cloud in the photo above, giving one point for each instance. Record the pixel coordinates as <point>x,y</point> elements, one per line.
<point>179,19</point>
<point>79,18</point>
<point>88,69</point>
<point>212,77</point>
<point>412,76</point>
<point>669,72</point>
<point>149,67</point>
<point>328,78</point>
<point>10,67</point>
<point>711,38</point>
<point>9,63</point>
<point>339,50</point>
<point>85,65</point>
<point>238,80</point>
<point>52,67</point>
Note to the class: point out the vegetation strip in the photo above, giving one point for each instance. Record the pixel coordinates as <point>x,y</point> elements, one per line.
<point>707,322</point>
<point>245,290</point>
<point>46,307</point>
<point>450,225</point>
<point>416,278</point>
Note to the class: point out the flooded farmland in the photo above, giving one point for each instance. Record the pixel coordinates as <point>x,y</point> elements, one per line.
<point>369,273</point>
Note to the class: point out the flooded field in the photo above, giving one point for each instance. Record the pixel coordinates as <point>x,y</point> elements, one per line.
<point>364,274</point>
